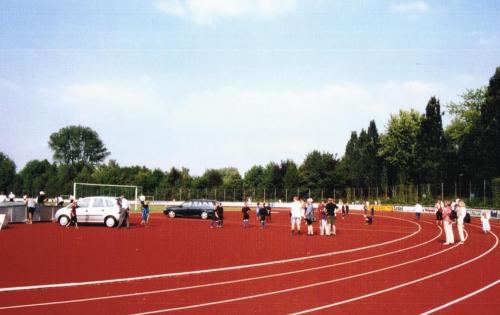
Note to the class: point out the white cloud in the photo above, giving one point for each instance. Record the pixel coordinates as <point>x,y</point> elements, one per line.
<point>174,7</point>
<point>411,7</point>
<point>208,12</point>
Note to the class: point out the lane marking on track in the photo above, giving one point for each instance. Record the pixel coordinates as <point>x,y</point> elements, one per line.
<point>403,284</point>
<point>204,271</point>
<point>221,283</point>
<point>462,298</point>
<point>295,288</point>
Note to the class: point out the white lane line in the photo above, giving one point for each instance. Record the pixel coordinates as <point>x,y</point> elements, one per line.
<point>295,288</point>
<point>221,283</point>
<point>462,298</point>
<point>204,271</point>
<point>403,284</point>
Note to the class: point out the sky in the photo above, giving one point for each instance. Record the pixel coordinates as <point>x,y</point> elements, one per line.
<point>210,84</point>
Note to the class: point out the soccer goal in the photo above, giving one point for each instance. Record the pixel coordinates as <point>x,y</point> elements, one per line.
<point>82,190</point>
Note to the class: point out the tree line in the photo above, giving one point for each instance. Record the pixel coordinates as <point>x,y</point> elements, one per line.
<point>414,149</point>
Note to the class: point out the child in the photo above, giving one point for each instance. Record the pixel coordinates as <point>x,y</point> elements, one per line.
<point>246,215</point>
<point>485,219</point>
<point>145,213</point>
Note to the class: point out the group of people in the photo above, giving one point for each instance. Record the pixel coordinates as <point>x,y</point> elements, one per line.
<point>448,213</point>
<point>31,202</point>
<point>301,209</point>
<point>218,216</point>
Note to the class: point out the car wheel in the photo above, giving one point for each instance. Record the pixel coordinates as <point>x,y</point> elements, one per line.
<point>110,222</point>
<point>204,215</point>
<point>171,214</point>
<point>63,220</point>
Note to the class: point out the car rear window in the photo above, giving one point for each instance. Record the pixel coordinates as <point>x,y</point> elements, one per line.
<point>98,203</point>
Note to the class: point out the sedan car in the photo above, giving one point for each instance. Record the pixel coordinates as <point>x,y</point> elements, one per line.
<point>202,208</point>
<point>92,210</point>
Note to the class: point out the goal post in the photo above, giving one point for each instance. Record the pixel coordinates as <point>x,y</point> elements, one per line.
<point>81,190</point>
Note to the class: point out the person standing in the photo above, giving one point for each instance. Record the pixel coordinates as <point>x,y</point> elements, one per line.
<point>257,211</point>
<point>215,217</point>
<point>59,201</point>
<point>268,212</point>
<point>322,218</point>
<point>31,205</point>
<point>439,212</point>
<point>246,214</point>
<point>296,214</point>
<point>461,212</point>
<point>346,209</point>
<point>418,211</point>
<point>220,213</point>
<point>3,197</point>
<point>331,208</point>
<point>144,212</point>
<point>74,219</point>
<point>448,224</point>
<point>124,212</point>
<point>263,215</point>
<point>11,196</point>
<point>485,220</point>
<point>309,216</point>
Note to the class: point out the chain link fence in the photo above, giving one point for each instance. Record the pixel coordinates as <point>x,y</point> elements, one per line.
<point>474,193</point>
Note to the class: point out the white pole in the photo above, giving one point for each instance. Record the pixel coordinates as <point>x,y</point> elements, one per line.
<point>74,190</point>
<point>135,207</point>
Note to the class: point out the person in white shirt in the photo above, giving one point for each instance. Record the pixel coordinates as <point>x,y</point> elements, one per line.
<point>2,197</point>
<point>296,213</point>
<point>124,212</point>
<point>418,211</point>
<point>11,196</point>
<point>485,220</point>
<point>461,212</point>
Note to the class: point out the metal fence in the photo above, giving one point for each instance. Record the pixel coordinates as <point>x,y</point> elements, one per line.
<point>473,193</point>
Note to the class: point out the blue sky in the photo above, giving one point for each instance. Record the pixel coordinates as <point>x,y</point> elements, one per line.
<point>208,84</point>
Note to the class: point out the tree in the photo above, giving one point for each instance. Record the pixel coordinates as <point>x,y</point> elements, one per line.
<point>35,175</point>
<point>271,178</point>
<point>463,135</point>
<point>253,177</point>
<point>372,159</point>
<point>490,128</point>
<point>351,160</point>
<point>399,145</point>
<point>431,144</point>
<point>7,173</point>
<point>77,144</point>
<point>318,170</point>
<point>231,178</point>
<point>289,174</point>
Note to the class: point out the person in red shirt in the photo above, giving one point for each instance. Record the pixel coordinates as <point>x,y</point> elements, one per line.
<point>74,220</point>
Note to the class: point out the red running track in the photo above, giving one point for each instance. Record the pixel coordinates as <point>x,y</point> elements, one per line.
<point>178,265</point>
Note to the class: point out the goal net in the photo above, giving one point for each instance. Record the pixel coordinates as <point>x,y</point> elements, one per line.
<point>82,190</point>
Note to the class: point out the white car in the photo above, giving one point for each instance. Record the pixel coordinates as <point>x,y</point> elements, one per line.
<point>91,210</point>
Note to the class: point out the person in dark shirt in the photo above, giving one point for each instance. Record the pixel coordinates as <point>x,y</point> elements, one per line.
<point>263,215</point>
<point>331,208</point>
<point>215,217</point>
<point>246,214</point>
<point>220,212</point>
<point>144,213</point>
<point>346,210</point>
<point>268,212</point>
